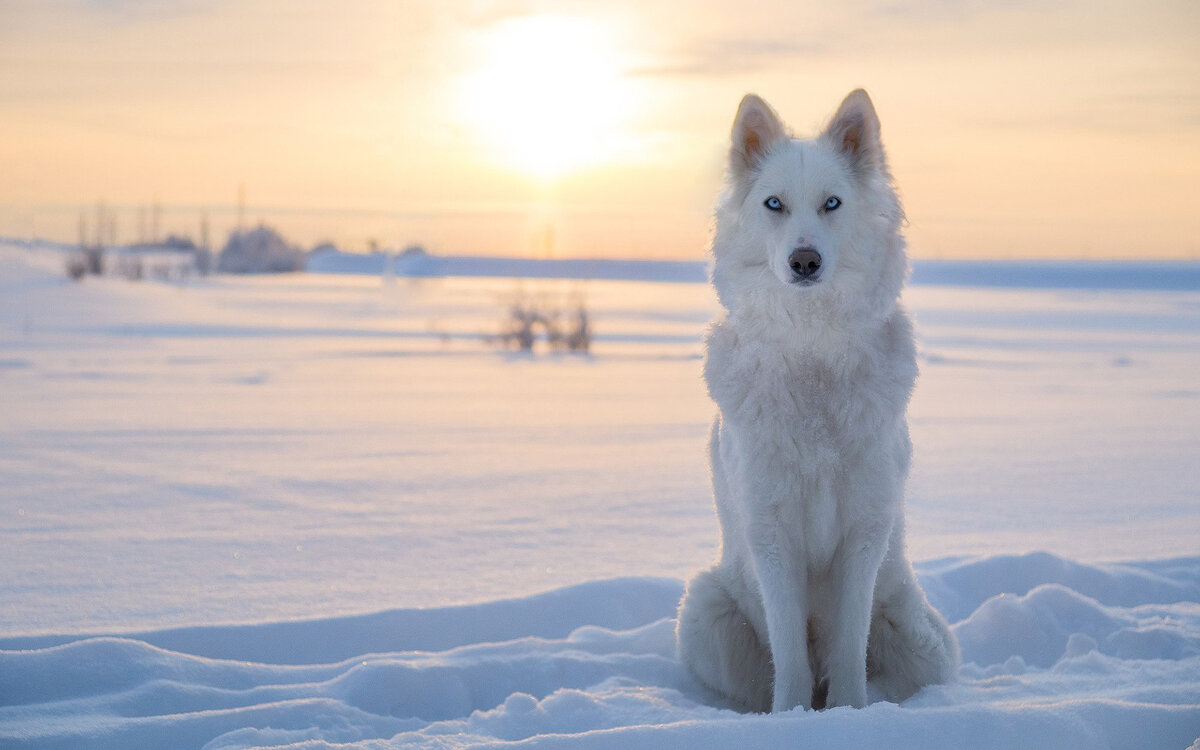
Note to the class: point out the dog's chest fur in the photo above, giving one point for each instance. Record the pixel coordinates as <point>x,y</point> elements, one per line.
<point>812,415</point>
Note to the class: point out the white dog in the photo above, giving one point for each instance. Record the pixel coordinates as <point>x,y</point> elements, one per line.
<point>811,365</point>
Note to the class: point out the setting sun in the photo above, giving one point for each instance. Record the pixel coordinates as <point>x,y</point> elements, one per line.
<point>548,94</point>
<point>1016,132</point>
<point>564,373</point>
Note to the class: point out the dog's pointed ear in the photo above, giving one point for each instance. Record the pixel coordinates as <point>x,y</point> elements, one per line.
<point>756,130</point>
<point>854,131</point>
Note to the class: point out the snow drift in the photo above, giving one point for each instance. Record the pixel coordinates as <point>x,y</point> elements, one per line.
<point>1046,666</point>
<point>238,511</point>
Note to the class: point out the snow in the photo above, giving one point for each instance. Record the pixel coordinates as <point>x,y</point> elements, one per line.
<point>1106,274</point>
<point>421,264</point>
<point>324,509</point>
<point>468,677</point>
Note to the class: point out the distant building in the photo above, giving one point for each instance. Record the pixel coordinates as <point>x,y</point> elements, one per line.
<point>259,250</point>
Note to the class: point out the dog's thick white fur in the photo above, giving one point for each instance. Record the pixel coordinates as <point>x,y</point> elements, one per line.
<point>811,364</point>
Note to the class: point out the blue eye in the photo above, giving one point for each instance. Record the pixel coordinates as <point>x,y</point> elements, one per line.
<point>832,203</point>
<point>773,203</point>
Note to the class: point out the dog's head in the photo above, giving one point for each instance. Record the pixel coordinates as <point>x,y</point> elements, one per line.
<point>813,216</point>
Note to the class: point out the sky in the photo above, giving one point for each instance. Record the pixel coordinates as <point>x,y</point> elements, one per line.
<point>1014,129</point>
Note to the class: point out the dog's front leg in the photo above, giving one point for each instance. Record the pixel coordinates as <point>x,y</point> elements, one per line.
<point>855,568</point>
<point>783,583</point>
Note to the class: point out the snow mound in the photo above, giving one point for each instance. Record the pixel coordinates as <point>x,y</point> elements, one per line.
<point>957,587</point>
<point>1048,666</point>
<point>1053,622</point>
<point>617,604</point>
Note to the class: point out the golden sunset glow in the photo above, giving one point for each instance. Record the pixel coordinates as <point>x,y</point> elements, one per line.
<point>1027,131</point>
<point>547,94</point>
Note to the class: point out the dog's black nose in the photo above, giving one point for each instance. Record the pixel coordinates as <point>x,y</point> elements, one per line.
<point>805,263</point>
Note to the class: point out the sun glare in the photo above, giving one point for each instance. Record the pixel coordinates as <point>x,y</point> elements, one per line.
<point>547,94</point>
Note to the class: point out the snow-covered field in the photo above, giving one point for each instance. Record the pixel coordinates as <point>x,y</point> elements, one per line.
<point>323,509</point>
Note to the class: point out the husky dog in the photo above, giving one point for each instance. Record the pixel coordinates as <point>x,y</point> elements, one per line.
<point>811,364</point>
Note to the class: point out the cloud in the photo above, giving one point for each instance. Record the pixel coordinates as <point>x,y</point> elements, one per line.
<point>1123,110</point>
<point>732,56</point>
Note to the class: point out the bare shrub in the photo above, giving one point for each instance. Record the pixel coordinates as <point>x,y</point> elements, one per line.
<point>76,267</point>
<point>579,339</point>
<point>93,258</point>
<point>530,319</point>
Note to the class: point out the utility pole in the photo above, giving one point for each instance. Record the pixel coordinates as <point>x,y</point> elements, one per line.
<point>155,219</point>
<point>98,229</point>
<point>241,216</point>
<point>203,254</point>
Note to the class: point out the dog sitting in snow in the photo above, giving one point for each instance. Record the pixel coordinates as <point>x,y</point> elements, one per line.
<point>811,364</point>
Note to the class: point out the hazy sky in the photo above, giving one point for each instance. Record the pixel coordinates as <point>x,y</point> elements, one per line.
<point>1015,129</point>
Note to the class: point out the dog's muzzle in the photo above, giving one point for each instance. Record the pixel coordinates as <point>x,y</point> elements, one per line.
<point>805,263</point>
